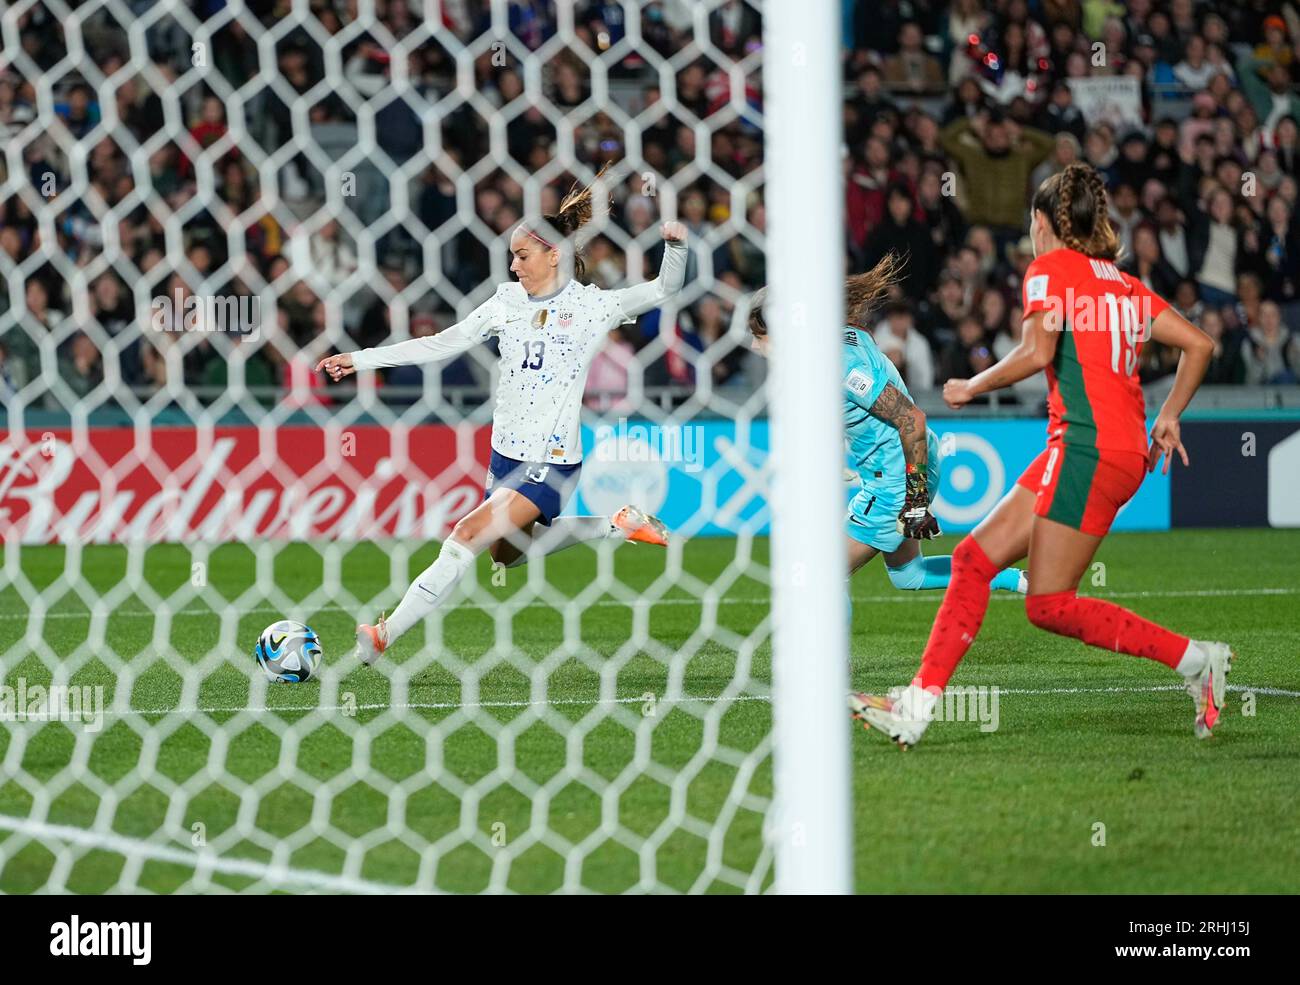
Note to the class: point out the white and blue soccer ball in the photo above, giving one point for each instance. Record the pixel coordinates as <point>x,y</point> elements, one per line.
<point>289,652</point>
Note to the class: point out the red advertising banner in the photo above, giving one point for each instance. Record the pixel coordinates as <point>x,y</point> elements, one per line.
<point>108,485</point>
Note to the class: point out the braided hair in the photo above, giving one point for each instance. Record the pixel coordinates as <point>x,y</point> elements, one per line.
<point>1074,201</point>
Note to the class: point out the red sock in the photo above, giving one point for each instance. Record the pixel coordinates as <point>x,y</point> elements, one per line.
<point>1106,625</point>
<point>960,615</point>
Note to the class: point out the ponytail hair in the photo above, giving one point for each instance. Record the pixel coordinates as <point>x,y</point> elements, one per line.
<point>863,294</point>
<point>575,211</point>
<point>1074,201</point>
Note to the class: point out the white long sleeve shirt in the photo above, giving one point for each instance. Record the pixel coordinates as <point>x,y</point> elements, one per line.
<point>546,346</point>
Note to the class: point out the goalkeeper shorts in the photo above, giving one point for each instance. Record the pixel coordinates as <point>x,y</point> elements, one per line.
<point>873,513</point>
<point>1081,486</point>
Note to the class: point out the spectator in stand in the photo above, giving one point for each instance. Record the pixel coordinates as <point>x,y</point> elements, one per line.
<point>81,368</point>
<point>902,234</point>
<point>1226,365</point>
<point>868,185</point>
<point>1066,152</point>
<point>1125,214</point>
<point>905,347</point>
<point>1212,250</point>
<point>1272,354</point>
<point>1195,70</point>
<point>996,157</point>
<point>1173,237</point>
<point>1188,302</point>
<point>967,354</point>
<point>912,70</point>
<point>332,257</point>
<point>1281,248</point>
<point>711,320</point>
<point>1146,263</point>
<point>1061,116</point>
<point>993,314</point>
<point>940,215</point>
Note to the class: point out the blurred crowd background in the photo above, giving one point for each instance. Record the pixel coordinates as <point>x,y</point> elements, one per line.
<point>952,113</point>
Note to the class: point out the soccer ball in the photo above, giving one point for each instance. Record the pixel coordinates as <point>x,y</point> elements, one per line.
<point>288,652</point>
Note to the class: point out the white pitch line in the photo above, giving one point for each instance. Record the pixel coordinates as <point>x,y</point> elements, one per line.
<point>896,597</point>
<point>455,705</point>
<point>639,699</point>
<point>277,875</point>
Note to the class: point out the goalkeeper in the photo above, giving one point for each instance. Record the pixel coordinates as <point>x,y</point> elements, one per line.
<point>893,451</point>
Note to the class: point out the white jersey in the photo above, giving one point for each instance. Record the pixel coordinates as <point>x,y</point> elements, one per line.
<point>546,347</point>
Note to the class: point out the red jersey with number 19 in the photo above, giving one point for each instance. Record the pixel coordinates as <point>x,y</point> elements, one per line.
<point>1094,397</point>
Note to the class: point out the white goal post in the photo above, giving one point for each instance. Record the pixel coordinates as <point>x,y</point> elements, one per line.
<point>810,827</point>
<point>602,720</point>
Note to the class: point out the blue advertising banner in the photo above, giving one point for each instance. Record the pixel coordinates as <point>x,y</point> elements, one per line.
<point>712,478</point>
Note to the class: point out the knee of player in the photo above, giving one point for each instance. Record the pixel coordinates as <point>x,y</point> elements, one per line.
<point>908,577</point>
<point>967,551</point>
<point>466,530</point>
<point>1048,611</point>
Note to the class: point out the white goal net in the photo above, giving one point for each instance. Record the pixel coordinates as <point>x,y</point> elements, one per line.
<point>200,200</point>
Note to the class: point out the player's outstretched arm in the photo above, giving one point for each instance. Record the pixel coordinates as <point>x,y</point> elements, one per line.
<point>897,410</point>
<point>446,344</point>
<point>1032,354</point>
<point>1171,328</point>
<point>641,298</point>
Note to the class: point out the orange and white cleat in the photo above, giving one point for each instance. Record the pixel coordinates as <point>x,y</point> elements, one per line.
<point>372,641</point>
<point>1209,686</point>
<point>860,701</point>
<point>903,721</point>
<point>640,526</point>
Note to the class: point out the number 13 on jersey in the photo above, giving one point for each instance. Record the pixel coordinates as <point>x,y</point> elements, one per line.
<point>534,352</point>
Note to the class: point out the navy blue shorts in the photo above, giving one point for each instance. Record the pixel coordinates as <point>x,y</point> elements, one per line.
<point>548,487</point>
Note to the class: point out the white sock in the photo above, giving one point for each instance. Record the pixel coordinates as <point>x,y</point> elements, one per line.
<point>565,531</point>
<point>432,586</point>
<point>1193,661</point>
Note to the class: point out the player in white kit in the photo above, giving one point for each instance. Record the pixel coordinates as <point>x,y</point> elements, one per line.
<point>548,327</point>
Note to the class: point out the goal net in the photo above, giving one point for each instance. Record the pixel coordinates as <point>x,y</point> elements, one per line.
<point>201,201</point>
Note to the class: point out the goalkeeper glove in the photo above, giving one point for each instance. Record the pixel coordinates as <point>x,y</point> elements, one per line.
<point>915,521</point>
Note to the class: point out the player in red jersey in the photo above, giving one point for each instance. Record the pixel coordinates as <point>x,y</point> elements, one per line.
<point>1084,324</point>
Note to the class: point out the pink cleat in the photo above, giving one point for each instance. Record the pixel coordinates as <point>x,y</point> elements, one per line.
<point>1209,686</point>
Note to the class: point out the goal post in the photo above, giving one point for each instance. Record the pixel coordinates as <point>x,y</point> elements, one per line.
<point>810,826</point>
<point>603,719</point>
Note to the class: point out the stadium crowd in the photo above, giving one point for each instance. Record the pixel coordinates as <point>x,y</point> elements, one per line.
<point>952,113</point>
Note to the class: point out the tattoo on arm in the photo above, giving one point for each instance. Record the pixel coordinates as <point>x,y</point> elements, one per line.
<point>895,409</point>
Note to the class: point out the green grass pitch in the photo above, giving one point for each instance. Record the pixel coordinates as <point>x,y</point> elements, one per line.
<point>1093,781</point>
